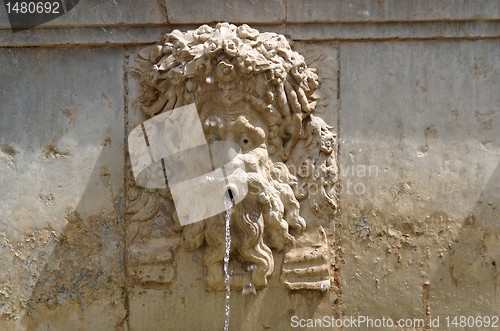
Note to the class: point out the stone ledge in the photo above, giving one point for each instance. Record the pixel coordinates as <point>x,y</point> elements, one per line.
<point>81,36</point>
<point>389,31</point>
<point>97,36</point>
<point>140,35</point>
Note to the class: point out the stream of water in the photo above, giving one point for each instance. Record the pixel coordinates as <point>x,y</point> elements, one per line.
<point>229,211</point>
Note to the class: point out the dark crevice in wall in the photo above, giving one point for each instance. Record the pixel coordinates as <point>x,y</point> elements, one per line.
<point>286,17</point>
<point>338,241</point>
<point>126,57</point>
<point>163,8</point>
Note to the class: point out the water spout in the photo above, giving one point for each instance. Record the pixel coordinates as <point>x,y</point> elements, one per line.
<point>230,195</point>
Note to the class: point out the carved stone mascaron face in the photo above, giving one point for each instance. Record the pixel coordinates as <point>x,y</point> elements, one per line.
<point>253,91</point>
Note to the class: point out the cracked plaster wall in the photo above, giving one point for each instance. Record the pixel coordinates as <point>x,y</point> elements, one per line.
<point>418,122</point>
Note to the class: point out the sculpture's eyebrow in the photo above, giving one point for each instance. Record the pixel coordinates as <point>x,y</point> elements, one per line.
<point>243,124</point>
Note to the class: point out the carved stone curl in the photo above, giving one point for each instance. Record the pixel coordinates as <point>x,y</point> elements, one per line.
<point>253,89</point>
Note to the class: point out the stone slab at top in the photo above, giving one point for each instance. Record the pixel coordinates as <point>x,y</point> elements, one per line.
<point>129,22</point>
<point>337,11</point>
<point>131,12</point>
<point>241,11</point>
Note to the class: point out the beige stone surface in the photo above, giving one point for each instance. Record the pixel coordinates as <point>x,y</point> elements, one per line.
<point>390,10</point>
<point>128,22</point>
<point>187,305</point>
<point>418,231</point>
<point>130,12</point>
<point>61,179</point>
<point>324,57</point>
<point>187,279</point>
<point>419,167</point>
<point>245,11</point>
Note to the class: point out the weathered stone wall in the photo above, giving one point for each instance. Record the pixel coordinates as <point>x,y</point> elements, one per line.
<point>410,87</point>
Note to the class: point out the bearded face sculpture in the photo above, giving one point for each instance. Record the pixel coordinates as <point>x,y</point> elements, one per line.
<point>253,90</point>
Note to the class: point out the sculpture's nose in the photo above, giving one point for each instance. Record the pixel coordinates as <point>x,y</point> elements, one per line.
<point>223,152</point>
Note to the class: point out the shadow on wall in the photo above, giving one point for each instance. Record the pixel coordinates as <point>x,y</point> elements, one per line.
<point>82,283</point>
<point>61,124</point>
<point>470,265</point>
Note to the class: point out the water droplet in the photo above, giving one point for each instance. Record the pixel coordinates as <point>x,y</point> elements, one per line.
<point>324,287</point>
<point>248,289</point>
<point>209,80</point>
<point>251,267</point>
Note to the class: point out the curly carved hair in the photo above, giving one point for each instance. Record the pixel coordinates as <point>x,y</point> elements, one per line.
<point>229,64</point>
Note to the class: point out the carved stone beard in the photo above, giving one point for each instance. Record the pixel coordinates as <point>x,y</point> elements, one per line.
<point>247,246</point>
<point>261,220</point>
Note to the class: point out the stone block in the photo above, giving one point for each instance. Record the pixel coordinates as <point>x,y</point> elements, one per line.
<point>419,158</point>
<point>61,177</point>
<point>187,305</point>
<point>88,36</point>
<point>246,11</point>
<point>394,31</point>
<point>184,291</point>
<point>97,36</point>
<point>324,58</point>
<point>390,10</point>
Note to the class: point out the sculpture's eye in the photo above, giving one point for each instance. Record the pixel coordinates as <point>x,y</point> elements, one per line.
<point>244,141</point>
